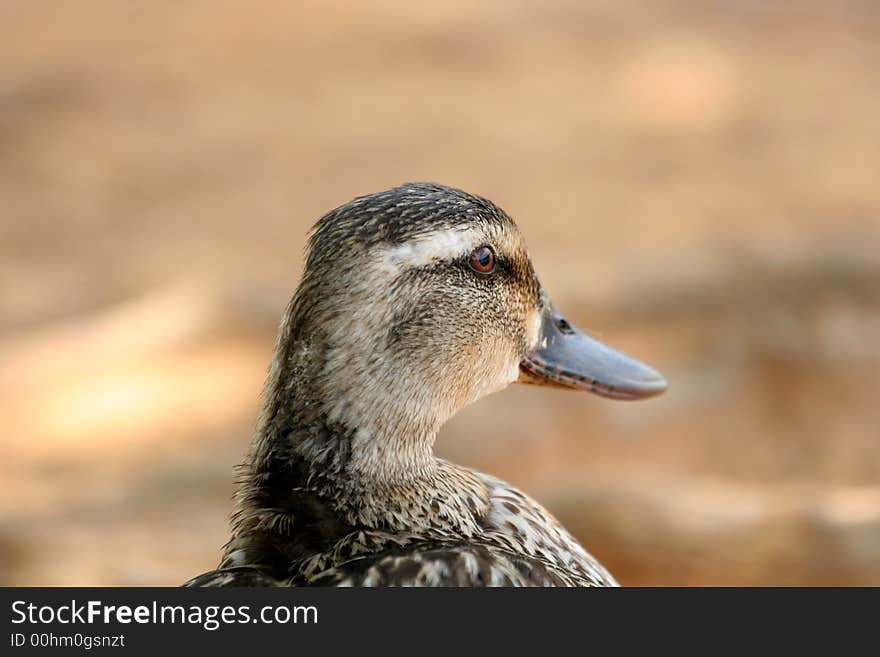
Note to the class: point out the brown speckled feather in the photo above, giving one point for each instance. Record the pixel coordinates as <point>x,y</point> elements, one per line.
<point>389,334</point>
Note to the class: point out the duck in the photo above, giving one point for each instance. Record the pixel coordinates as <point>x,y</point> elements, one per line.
<point>414,302</point>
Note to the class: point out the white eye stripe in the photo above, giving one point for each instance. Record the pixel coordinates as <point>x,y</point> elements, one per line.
<point>444,245</point>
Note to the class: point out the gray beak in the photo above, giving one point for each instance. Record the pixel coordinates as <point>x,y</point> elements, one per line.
<point>567,357</point>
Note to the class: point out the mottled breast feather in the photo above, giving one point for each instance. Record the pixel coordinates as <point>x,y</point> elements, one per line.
<point>520,544</point>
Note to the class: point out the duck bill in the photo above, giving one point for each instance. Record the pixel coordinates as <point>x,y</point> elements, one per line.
<point>567,357</point>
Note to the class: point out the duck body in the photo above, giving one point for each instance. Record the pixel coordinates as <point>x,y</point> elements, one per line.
<point>457,527</point>
<point>414,302</point>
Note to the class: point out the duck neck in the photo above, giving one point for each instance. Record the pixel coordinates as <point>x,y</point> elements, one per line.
<point>328,459</point>
<point>340,436</point>
<point>343,452</point>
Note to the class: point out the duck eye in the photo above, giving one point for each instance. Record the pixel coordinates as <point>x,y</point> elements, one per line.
<point>482,260</point>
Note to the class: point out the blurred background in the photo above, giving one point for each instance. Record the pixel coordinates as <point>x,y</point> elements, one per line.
<point>697,182</point>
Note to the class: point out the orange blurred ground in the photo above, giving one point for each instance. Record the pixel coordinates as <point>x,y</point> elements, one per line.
<point>697,181</point>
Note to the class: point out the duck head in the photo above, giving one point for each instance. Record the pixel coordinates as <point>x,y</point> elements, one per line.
<point>417,301</point>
